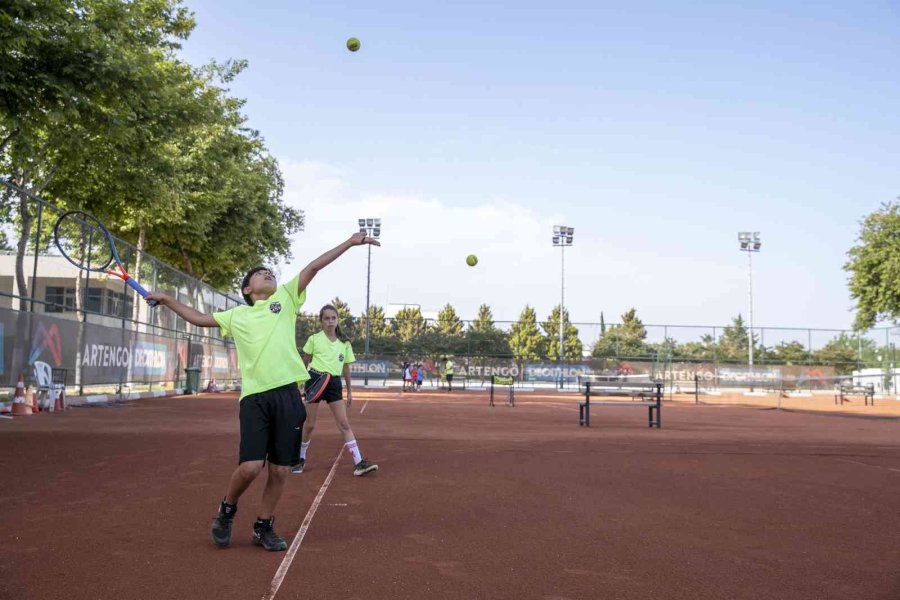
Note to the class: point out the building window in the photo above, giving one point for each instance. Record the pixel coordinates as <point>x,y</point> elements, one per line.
<point>59,299</point>
<point>97,301</point>
<point>94,300</point>
<point>114,304</point>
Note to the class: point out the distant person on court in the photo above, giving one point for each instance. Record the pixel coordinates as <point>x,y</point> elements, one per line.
<point>420,376</point>
<point>329,351</point>
<point>407,377</point>
<point>413,377</point>
<point>448,372</point>
<point>271,413</point>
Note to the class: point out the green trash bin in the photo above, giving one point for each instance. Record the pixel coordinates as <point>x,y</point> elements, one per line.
<point>192,380</point>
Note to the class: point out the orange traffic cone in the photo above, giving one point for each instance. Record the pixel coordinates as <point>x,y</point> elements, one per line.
<point>20,407</point>
<point>32,395</point>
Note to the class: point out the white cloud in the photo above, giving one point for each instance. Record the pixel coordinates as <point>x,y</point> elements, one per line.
<point>426,240</point>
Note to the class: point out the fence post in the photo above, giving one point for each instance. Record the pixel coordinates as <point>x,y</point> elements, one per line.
<point>809,350</point>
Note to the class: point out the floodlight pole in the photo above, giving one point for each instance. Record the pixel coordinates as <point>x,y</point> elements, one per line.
<point>562,236</point>
<point>562,308</point>
<point>372,228</point>
<point>750,300</point>
<point>368,324</point>
<point>750,243</point>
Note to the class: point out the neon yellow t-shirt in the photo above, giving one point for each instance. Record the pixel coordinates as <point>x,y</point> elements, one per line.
<point>265,337</point>
<point>328,356</point>
<point>448,368</point>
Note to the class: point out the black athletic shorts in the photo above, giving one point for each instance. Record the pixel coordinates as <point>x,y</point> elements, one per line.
<point>449,377</point>
<point>334,391</point>
<point>271,426</point>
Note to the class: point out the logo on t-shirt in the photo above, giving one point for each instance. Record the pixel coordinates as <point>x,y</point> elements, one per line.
<point>275,307</point>
<point>340,358</point>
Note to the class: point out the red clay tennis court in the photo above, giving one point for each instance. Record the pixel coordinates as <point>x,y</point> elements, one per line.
<point>723,502</point>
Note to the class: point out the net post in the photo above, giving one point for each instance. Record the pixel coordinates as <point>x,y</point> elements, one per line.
<point>586,421</point>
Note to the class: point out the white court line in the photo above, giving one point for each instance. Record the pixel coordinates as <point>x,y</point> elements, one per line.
<point>363,409</point>
<point>856,462</point>
<point>298,539</point>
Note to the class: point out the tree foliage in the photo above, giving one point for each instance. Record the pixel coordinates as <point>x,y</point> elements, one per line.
<point>525,339</point>
<point>484,322</point>
<point>623,340</point>
<point>98,112</point>
<point>408,323</point>
<point>448,322</point>
<point>572,347</point>
<point>874,268</point>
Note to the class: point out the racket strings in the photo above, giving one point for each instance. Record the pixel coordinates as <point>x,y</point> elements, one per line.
<point>82,240</point>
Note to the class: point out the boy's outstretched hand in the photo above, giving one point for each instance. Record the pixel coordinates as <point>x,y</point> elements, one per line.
<point>159,297</point>
<point>359,238</point>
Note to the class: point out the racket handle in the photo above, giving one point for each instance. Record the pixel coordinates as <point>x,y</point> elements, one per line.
<point>140,290</point>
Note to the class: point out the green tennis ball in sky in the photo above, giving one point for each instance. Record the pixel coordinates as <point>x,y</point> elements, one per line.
<point>353,44</point>
<point>471,260</point>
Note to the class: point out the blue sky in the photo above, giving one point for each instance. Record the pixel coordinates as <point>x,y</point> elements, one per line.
<point>657,129</point>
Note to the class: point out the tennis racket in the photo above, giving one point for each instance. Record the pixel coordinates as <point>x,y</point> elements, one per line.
<point>87,244</point>
<point>315,386</point>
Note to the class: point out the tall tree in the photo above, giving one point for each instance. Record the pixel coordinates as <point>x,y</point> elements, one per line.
<point>408,323</point>
<point>704,350</point>
<point>98,112</point>
<point>379,325</point>
<point>874,268</point>
<point>845,352</point>
<point>484,322</point>
<point>572,346</point>
<point>733,343</point>
<point>448,323</point>
<point>788,353</point>
<point>625,340</point>
<point>68,71</point>
<point>525,339</point>
<point>485,339</point>
<point>382,339</point>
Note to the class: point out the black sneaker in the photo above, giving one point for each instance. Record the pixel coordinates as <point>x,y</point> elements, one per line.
<point>298,468</point>
<point>363,467</point>
<point>264,535</point>
<point>221,527</point>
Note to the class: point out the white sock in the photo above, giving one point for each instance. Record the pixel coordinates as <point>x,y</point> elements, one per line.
<point>303,448</point>
<point>354,450</point>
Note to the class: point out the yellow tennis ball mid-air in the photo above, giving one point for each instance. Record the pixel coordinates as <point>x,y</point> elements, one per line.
<point>471,260</point>
<point>353,44</point>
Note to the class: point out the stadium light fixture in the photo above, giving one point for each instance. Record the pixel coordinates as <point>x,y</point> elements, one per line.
<point>372,228</point>
<point>750,243</point>
<point>562,236</point>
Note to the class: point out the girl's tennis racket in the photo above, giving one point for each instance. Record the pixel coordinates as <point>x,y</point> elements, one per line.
<point>315,386</point>
<point>87,244</point>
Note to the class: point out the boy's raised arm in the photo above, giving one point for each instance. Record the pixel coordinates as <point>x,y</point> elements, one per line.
<point>188,313</point>
<point>310,271</point>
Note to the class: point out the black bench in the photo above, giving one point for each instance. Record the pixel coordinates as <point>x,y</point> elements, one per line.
<point>866,391</point>
<point>644,393</point>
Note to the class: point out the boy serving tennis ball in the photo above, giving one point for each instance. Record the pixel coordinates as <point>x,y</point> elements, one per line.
<point>271,413</point>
